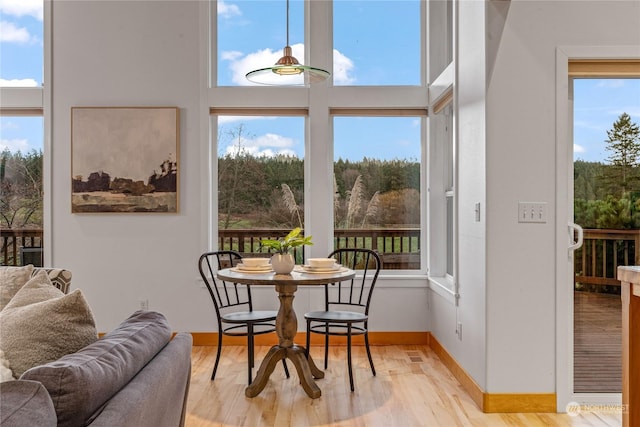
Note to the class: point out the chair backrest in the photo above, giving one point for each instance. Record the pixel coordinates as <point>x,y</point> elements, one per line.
<point>225,295</point>
<point>357,291</point>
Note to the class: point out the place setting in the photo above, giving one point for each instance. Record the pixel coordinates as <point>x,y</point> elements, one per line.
<point>253,265</point>
<point>320,266</point>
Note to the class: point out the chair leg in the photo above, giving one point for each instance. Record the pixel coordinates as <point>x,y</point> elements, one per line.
<point>215,365</point>
<point>366,344</point>
<point>250,349</point>
<point>308,343</point>
<point>349,355</point>
<point>286,370</point>
<point>326,346</point>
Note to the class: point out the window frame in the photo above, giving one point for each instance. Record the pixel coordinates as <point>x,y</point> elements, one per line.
<point>320,101</point>
<point>36,101</point>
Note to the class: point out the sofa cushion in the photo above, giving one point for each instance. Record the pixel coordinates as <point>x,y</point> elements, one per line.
<point>41,324</point>
<point>11,280</point>
<point>25,404</point>
<point>80,383</point>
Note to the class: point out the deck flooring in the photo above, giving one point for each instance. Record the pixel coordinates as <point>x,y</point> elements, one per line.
<point>597,343</point>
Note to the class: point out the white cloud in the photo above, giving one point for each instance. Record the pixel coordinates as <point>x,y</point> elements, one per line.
<point>240,64</point>
<point>18,8</point>
<point>10,33</point>
<point>611,83</point>
<point>577,148</point>
<point>14,145</point>
<point>268,145</point>
<point>230,55</point>
<point>18,83</point>
<point>342,68</point>
<point>273,140</point>
<point>227,10</point>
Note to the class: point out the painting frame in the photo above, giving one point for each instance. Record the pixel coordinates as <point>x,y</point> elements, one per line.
<point>125,159</point>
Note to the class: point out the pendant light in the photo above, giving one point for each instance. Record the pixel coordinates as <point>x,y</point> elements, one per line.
<point>288,71</point>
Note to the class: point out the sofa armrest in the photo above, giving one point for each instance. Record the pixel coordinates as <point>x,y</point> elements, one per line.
<point>80,383</point>
<point>157,395</point>
<point>26,404</point>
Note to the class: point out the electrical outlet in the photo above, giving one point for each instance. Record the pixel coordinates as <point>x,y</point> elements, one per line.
<point>532,212</point>
<point>144,304</point>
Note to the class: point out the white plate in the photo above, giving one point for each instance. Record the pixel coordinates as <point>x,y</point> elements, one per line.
<point>251,271</point>
<point>243,267</point>
<point>305,269</point>
<point>335,267</point>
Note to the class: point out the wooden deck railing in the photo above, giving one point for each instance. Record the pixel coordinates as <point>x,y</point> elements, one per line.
<point>399,248</point>
<point>597,261</point>
<point>13,242</point>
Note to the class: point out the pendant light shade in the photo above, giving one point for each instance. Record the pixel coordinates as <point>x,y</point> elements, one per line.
<point>288,71</point>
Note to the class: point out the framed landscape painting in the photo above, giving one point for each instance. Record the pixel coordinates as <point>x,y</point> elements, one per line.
<point>124,159</point>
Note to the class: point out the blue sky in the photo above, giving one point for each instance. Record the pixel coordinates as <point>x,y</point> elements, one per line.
<point>597,105</point>
<point>364,42</point>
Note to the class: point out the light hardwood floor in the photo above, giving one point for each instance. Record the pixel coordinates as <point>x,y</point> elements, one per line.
<point>412,388</point>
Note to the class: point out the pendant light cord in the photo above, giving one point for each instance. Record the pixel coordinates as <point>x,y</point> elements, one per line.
<point>287,22</point>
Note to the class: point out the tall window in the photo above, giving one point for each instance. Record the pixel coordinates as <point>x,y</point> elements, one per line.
<point>260,179</point>
<point>21,43</point>
<point>377,201</point>
<point>262,25</point>
<point>363,130</point>
<point>376,42</point>
<point>22,132</point>
<point>442,195</point>
<point>442,143</point>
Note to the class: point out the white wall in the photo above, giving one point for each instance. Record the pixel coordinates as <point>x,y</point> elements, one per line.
<point>147,53</point>
<point>138,53</point>
<point>519,145</point>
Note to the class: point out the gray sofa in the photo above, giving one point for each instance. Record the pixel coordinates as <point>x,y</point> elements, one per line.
<point>136,375</point>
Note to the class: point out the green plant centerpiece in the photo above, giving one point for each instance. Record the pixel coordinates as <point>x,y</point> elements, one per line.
<point>282,261</point>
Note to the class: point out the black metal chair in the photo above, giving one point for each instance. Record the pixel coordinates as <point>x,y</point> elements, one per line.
<point>347,304</point>
<point>234,308</point>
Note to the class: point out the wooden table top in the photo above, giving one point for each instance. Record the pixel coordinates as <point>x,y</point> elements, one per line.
<point>298,276</point>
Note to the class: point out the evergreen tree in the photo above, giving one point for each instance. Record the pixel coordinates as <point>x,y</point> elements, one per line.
<point>624,144</point>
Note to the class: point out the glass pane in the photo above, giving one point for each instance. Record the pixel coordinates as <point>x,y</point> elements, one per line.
<point>607,205</point>
<point>376,42</point>
<point>377,179</point>
<point>260,180</point>
<point>21,43</point>
<point>21,190</point>
<point>441,36</point>
<point>450,235</point>
<point>252,35</point>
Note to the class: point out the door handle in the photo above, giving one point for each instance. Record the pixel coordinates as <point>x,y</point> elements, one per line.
<point>576,243</point>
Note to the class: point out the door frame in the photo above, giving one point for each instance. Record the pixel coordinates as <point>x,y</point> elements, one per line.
<point>564,215</point>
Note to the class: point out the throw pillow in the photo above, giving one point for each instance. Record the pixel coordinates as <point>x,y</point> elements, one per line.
<point>37,289</point>
<point>6,374</point>
<point>11,280</point>
<point>60,278</point>
<point>41,324</point>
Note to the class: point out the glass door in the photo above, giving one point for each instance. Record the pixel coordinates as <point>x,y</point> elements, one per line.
<point>606,205</point>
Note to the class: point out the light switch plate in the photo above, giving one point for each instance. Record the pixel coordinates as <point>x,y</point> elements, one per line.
<point>532,212</point>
